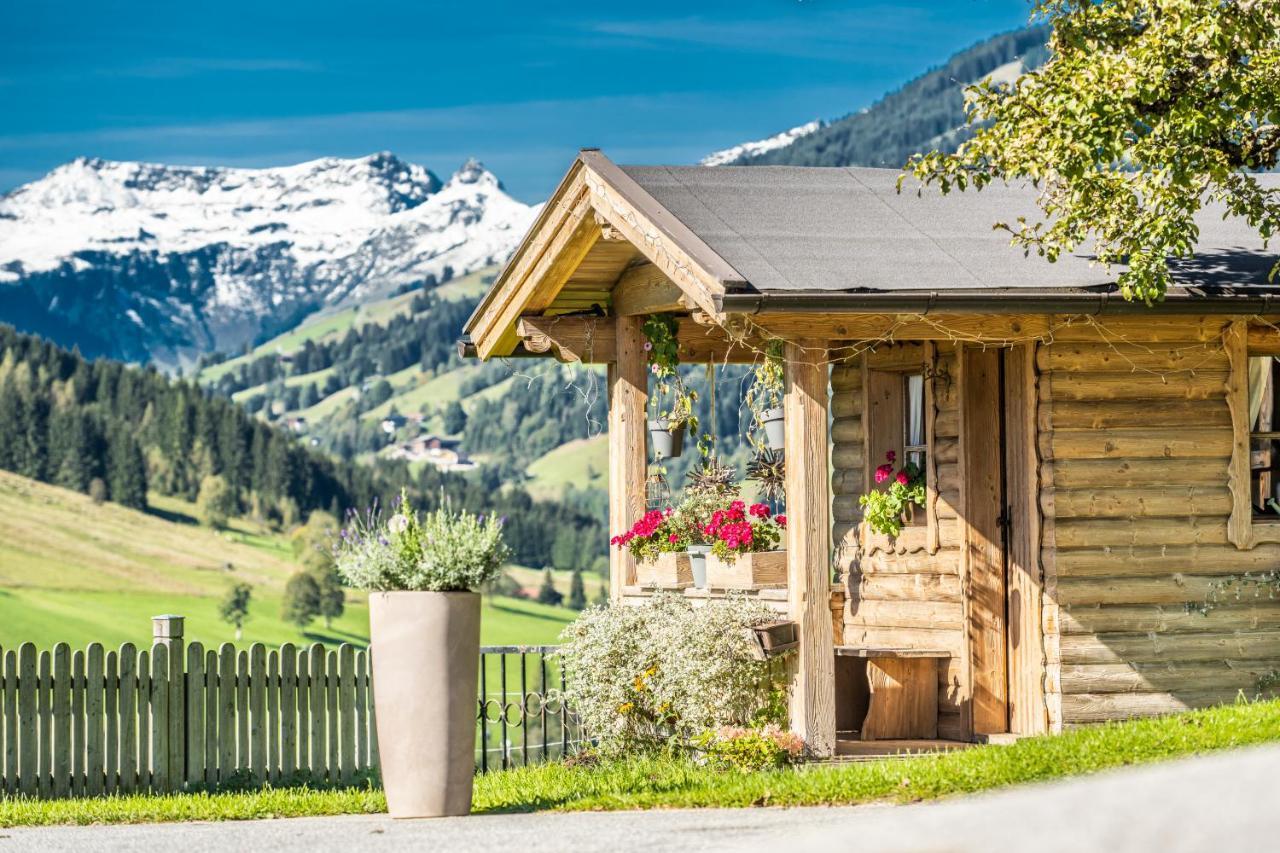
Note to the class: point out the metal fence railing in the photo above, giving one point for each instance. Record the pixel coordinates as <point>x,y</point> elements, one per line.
<point>523,717</point>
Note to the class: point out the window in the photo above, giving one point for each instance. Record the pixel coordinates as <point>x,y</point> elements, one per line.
<point>1264,436</point>
<point>913,440</point>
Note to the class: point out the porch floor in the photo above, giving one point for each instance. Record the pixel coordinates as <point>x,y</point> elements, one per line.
<point>850,748</point>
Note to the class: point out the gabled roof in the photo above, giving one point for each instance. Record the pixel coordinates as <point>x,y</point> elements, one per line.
<point>755,239</point>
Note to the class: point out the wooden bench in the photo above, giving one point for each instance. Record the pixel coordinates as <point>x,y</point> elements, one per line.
<point>903,686</point>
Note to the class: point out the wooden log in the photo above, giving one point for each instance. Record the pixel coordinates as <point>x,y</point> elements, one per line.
<point>1158,648</point>
<point>847,376</point>
<point>257,712</point>
<point>1137,329</point>
<point>226,712</point>
<point>907,587</point>
<point>847,482</point>
<point>875,636</point>
<point>1134,414</point>
<point>1169,619</point>
<point>195,713</point>
<point>1174,677</point>
<point>628,393</point>
<point>813,713</point>
<point>1213,559</point>
<point>945,562</point>
<point>1202,385</point>
<point>1145,361</point>
<point>593,340</point>
<point>288,711</point>
<point>1077,533</point>
<point>111,713</point>
<point>67,762</point>
<point>846,405</point>
<point>997,329</point>
<point>645,289</point>
<point>1137,473</point>
<point>1100,707</point>
<point>128,718</point>
<point>316,702</point>
<point>846,430</point>
<point>346,711</point>
<point>1163,443</point>
<point>1159,589</point>
<point>906,614</point>
<point>947,451</point>
<point>847,457</point>
<point>93,720</point>
<point>1147,502</point>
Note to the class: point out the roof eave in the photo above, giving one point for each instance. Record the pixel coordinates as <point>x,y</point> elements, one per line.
<point>1037,302</point>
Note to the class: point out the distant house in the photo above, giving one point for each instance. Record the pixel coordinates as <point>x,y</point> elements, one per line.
<point>444,453</point>
<point>393,422</point>
<point>297,425</point>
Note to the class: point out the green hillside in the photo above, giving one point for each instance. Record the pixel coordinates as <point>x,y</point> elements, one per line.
<point>78,572</point>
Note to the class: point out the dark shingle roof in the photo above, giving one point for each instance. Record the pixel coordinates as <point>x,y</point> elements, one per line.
<point>814,229</point>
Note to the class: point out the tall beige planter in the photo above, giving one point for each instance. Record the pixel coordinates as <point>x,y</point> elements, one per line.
<point>426,651</point>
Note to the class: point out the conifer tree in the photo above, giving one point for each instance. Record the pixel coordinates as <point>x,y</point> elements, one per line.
<point>577,592</point>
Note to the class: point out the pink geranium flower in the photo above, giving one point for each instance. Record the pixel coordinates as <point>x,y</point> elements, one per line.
<point>903,478</point>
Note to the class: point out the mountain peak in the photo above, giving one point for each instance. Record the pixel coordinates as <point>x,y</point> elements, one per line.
<point>474,172</point>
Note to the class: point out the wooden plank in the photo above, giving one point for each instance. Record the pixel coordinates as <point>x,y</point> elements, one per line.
<point>94,764</point>
<point>813,713</point>
<point>1123,532</point>
<point>1177,589</point>
<point>273,716</point>
<point>1138,329</point>
<point>1025,650</point>
<point>1100,707</point>
<point>917,586</point>
<point>1172,676</point>
<point>28,768</point>
<point>9,708</point>
<point>128,718</point>
<point>1146,361</point>
<point>883,416</point>
<point>160,686</point>
<point>1239,482</point>
<point>934,541</point>
<point>1156,648</point>
<point>288,711</point>
<point>628,394</point>
<point>142,728</point>
<point>374,761</point>
<point>226,712</point>
<point>211,715</point>
<point>1167,619</point>
<point>67,761</point>
<point>1263,338</point>
<point>907,614</point>
<point>257,711</point>
<point>243,759</point>
<point>645,289</point>
<point>316,701</point>
<point>304,711</point>
<point>175,713</point>
<point>988,329</point>
<point>1188,442</point>
<point>904,698</point>
<point>333,767</point>
<point>44,711</point>
<point>1135,414</point>
<point>1203,385</point>
<point>361,712</point>
<point>1136,473</point>
<point>983,552</point>
<point>111,716</point>
<point>195,713</point>
<point>346,710</point>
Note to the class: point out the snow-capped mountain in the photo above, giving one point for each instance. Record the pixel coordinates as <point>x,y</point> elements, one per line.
<point>143,261</point>
<point>759,146</point>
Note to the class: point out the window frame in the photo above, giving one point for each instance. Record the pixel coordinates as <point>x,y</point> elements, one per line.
<point>1245,530</point>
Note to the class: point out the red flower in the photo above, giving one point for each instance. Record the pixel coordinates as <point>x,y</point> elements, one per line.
<point>883,473</point>
<point>781,519</point>
<point>903,479</point>
<point>892,456</point>
<point>673,538</point>
<point>759,510</point>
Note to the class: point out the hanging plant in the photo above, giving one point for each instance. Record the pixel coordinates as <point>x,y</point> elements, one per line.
<point>764,398</point>
<point>671,404</point>
<point>769,471</point>
<point>886,510</point>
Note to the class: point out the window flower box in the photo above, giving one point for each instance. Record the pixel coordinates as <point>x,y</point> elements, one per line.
<point>669,569</point>
<point>755,568</point>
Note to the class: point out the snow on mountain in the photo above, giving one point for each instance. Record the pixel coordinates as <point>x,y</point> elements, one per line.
<point>749,149</point>
<point>137,260</point>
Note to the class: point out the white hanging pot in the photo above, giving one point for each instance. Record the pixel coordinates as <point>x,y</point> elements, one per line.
<point>774,428</point>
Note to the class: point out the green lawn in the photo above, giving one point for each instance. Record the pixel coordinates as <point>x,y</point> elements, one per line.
<point>77,572</point>
<point>583,463</point>
<point>648,782</point>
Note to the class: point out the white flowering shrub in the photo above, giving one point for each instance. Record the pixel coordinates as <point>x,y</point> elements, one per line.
<point>440,551</point>
<point>666,671</point>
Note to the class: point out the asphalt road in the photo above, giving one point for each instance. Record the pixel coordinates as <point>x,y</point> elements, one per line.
<point>1224,802</point>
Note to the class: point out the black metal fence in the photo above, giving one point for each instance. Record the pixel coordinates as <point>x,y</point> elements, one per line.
<point>522,715</point>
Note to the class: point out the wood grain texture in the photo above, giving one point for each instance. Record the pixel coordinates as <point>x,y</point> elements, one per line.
<point>813,714</point>
<point>628,394</point>
<point>904,698</point>
<point>984,576</point>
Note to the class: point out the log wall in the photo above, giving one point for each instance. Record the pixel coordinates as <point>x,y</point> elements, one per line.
<point>1135,439</point>
<point>905,592</point>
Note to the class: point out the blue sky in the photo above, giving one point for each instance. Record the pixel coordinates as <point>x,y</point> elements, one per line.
<point>521,85</point>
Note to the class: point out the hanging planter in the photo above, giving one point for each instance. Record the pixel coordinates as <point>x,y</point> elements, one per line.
<point>666,439</point>
<point>764,398</point>
<point>698,564</point>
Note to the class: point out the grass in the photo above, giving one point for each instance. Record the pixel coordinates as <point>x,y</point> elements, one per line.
<point>78,572</point>
<point>640,782</point>
<point>583,462</point>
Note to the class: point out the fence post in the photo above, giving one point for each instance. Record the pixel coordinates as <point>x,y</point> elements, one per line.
<point>167,631</point>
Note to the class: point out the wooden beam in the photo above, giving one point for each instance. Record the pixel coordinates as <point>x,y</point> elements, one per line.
<point>539,273</point>
<point>645,289</point>
<point>838,326</point>
<point>1264,339</point>
<point>813,711</point>
<point>1240,523</point>
<point>628,394</point>
<point>591,340</point>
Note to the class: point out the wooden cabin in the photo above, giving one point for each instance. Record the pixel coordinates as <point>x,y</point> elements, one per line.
<point>1096,469</point>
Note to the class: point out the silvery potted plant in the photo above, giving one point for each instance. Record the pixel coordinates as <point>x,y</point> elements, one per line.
<point>671,404</point>
<point>764,397</point>
<point>422,572</point>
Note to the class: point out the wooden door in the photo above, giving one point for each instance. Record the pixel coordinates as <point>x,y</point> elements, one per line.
<point>981,439</point>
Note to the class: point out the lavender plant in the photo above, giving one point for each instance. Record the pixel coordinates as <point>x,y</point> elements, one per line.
<point>439,551</point>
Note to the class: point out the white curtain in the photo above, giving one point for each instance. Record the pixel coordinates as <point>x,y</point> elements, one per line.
<point>915,409</point>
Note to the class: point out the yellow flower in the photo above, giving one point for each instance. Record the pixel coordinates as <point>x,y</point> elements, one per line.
<point>626,707</point>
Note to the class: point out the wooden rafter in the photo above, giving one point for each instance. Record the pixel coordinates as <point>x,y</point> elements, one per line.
<point>590,340</point>
<point>645,289</point>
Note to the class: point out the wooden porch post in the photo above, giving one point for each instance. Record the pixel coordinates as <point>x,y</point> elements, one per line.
<point>813,714</point>
<point>628,394</point>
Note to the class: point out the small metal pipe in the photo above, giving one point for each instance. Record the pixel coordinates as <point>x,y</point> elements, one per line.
<point>1039,302</point>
